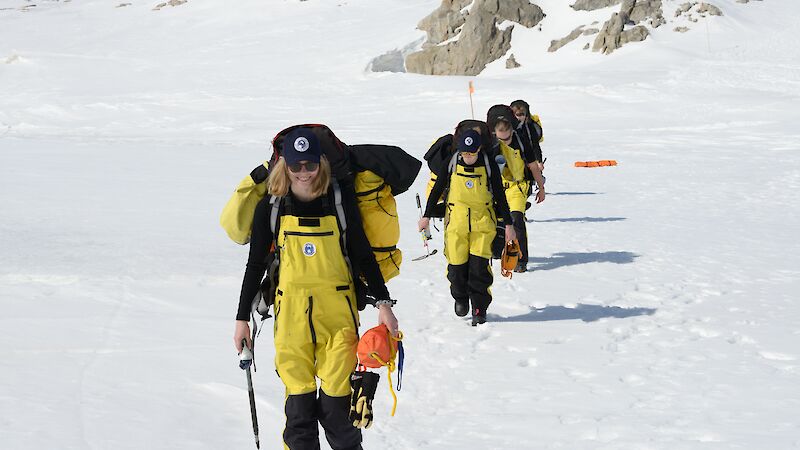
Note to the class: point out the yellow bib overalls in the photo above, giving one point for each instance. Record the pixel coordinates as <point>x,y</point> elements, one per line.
<point>514,182</point>
<point>470,223</point>
<point>316,331</point>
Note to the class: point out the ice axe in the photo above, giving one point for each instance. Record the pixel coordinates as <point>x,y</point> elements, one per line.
<point>426,236</point>
<point>245,361</point>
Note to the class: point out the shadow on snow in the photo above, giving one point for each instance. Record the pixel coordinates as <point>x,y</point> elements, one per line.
<point>582,219</point>
<point>571,193</point>
<point>584,312</point>
<point>573,259</point>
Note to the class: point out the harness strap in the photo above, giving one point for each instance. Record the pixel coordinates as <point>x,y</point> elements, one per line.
<point>371,191</point>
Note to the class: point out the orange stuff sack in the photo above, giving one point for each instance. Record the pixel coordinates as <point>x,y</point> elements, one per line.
<point>509,259</point>
<point>601,163</point>
<point>376,348</point>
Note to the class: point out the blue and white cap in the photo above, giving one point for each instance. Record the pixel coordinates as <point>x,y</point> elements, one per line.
<point>469,142</point>
<point>301,144</point>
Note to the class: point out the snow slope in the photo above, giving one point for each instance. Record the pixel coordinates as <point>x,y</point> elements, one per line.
<point>661,310</point>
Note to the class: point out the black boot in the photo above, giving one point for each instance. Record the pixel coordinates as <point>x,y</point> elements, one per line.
<point>478,317</point>
<point>461,308</point>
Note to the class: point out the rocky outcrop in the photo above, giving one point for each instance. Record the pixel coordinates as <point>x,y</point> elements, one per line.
<point>443,23</point>
<point>648,9</point>
<point>169,3</point>
<point>591,5</point>
<point>557,44</point>
<point>463,43</point>
<point>710,9</point>
<point>683,8</point>
<point>613,34</point>
<point>608,39</point>
<point>680,29</point>
<point>511,62</point>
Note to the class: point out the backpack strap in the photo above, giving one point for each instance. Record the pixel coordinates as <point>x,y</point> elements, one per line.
<point>488,172</point>
<point>341,219</point>
<point>274,214</point>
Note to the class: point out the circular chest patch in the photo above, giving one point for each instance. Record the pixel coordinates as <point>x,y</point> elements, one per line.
<point>301,144</point>
<point>470,184</point>
<point>309,249</point>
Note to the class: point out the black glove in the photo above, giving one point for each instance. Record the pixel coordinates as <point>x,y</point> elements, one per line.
<point>364,385</point>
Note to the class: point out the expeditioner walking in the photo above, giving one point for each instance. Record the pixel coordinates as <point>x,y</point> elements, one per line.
<point>315,305</point>
<point>474,197</point>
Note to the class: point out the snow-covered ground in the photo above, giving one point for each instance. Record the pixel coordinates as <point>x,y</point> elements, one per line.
<point>661,312</point>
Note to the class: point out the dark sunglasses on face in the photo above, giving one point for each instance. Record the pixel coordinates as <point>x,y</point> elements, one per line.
<point>309,166</point>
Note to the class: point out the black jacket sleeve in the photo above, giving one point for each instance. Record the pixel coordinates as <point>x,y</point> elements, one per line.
<point>360,250</point>
<point>436,193</point>
<point>260,242</point>
<point>533,151</point>
<point>500,202</point>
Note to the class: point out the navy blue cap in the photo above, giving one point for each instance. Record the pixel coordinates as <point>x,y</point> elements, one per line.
<point>301,145</point>
<point>469,142</point>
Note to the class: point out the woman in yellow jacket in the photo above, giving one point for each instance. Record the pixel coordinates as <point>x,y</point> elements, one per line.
<point>474,197</point>
<point>316,317</point>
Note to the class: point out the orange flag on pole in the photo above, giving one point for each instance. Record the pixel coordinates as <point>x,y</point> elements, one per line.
<point>471,91</point>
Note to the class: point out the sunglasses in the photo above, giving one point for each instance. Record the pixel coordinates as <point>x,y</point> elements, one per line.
<point>470,154</point>
<point>308,166</point>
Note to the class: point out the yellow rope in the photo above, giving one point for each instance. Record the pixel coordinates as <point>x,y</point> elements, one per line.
<point>390,366</point>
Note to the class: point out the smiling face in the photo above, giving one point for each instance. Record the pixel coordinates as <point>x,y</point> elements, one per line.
<point>300,174</point>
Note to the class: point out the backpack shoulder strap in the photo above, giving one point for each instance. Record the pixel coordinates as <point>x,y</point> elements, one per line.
<point>488,170</point>
<point>275,203</point>
<point>451,166</point>
<point>337,201</point>
<point>341,219</point>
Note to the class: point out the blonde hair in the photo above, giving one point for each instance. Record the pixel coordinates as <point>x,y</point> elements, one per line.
<point>278,182</point>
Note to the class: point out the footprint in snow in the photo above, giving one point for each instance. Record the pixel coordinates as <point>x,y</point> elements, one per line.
<point>530,362</point>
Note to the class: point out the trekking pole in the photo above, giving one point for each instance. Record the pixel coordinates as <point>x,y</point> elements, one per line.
<point>245,361</point>
<point>426,235</point>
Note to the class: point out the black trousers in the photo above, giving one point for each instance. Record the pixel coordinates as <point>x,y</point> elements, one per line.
<point>471,281</point>
<point>304,412</point>
<point>518,219</point>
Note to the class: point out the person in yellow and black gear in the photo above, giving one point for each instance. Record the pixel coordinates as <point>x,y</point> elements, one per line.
<point>470,220</point>
<point>316,316</point>
<point>519,161</point>
<point>530,129</point>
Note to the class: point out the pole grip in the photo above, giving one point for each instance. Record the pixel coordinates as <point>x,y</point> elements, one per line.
<point>246,357</point>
